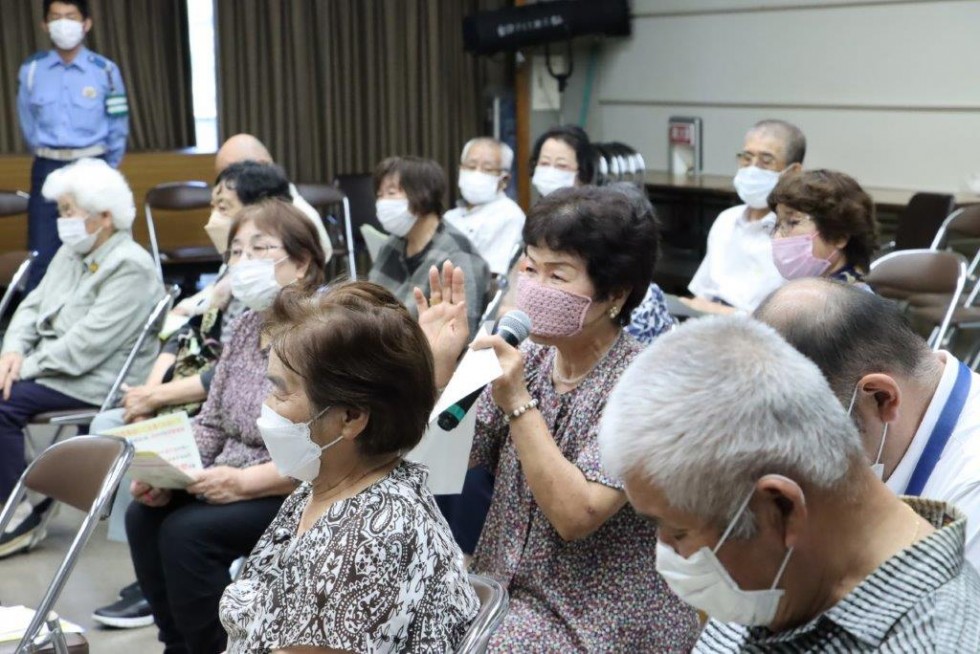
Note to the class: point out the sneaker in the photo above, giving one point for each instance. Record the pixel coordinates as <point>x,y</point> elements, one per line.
<point>132,590</point>
<point>27,528</point>
<point>129,612</point>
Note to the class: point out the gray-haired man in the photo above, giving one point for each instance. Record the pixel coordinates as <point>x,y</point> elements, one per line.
<point>769,518</point>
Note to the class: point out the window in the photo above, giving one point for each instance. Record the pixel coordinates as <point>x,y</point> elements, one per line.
<point>204,83</point>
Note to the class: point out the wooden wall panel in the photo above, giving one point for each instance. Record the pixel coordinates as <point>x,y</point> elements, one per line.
<point>144,170</point>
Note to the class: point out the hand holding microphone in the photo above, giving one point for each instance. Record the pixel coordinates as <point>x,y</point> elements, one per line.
<point>512,329</point>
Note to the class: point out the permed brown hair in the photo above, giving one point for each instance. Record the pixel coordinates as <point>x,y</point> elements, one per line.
<point>423,180</point>
<point>299,237</point>
<point>838,206</point>
<point>355,345</point>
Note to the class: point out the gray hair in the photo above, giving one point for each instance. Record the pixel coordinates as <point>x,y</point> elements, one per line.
<point>794,142</point>
<point>96,187</point>
<point>711,407</point>
<point>506,153</point>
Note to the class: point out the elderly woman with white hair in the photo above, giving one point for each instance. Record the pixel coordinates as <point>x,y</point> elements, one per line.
<point>769,517</point>
<point>70,336</point>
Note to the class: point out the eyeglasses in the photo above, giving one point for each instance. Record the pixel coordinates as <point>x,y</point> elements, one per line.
<point>254,251</point>
<point>787,226</point>
<point>483,168</point>
<point>762,159</point>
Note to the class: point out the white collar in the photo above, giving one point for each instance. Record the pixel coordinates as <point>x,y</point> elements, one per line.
<point>902,474</point>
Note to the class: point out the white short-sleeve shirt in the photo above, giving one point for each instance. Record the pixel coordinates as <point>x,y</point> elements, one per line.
<point>956,477</point>
<point>493,229</point>
<point>738,266</point>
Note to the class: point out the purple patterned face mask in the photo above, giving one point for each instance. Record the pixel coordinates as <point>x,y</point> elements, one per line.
<point>793,257</point>
<point>553,312</point>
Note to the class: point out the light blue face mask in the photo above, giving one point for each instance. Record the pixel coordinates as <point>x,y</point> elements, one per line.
<point>877,467</point>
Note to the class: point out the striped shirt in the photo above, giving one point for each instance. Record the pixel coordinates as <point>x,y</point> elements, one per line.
<point>923,599</point>
<point>400,273</point>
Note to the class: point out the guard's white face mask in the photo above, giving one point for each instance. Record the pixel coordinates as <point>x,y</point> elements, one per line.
<point>66,33</point>
<point>702,581</point>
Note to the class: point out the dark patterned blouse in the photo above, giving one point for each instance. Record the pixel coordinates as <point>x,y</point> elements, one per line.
<point>598,594</point>
<point>378,572</point>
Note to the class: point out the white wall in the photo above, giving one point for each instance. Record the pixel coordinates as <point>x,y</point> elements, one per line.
<point>886,90</point>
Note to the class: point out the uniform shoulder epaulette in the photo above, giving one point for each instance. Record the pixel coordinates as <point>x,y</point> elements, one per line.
<point>38,56</point>
<point>98,61</point>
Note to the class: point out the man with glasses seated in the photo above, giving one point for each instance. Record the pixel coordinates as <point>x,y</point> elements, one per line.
<point>738,271</point>
<point>489,219</point>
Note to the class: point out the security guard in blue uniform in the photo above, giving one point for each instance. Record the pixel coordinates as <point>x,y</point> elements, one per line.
<point>71,104</point>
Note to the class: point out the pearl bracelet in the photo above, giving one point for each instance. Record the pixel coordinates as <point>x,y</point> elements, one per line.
<point>521,410</point>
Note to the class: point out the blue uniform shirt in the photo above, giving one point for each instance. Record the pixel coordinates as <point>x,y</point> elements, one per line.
<point>76,105</point>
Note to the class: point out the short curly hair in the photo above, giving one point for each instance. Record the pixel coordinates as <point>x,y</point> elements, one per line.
<point>612,228</point>
<point>839,207</point>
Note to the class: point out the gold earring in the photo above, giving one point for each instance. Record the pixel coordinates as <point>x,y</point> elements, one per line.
<point>613,312</point>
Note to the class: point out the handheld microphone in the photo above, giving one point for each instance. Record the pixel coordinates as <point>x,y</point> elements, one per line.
<point>514,327</point>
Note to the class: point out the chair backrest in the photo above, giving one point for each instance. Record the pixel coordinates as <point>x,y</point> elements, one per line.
<point>13,203</point>
<point>921,219</point>
<point>898,274</point>
<point>493,609</point>
<point>83,472</point>
<point>964,222</point>
<point>13,275</point>
<point>327,199</point>
<point>173,196</point>
<point>374,238</point>
<point>359,189</point>
<point>906,272</point>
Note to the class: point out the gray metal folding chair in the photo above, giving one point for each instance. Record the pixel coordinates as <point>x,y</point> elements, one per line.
<point>322,197</point>
<point>13,203</point>
<point>83,472</point>
<point>14,267</point>
<point>907,272</point>
<point>65,418</point>
<point>178,196</point>
<point>493,610</point>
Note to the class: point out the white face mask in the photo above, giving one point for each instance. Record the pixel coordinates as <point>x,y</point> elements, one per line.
<point>290,445</point>
<point>548,179</point>
<point>878,467</point>
<point>478,187</point>
<point>394,216</point>
<point>702,581</point>
<point>73,234</point>
<point>66,33</point>
<point>754,185</point>
<point>253,282</point>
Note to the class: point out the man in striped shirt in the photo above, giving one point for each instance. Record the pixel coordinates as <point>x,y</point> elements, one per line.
<point>770,519</point>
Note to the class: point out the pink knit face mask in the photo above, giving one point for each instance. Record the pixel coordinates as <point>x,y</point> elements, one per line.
<point>553,312</point>
<point>793,257</point>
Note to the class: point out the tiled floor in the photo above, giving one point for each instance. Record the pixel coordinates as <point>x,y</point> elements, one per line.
<point>103,568</point>
<point>101,571</point>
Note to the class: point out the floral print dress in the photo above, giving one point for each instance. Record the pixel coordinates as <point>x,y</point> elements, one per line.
<point>601,593</point>
<point>378,572</point>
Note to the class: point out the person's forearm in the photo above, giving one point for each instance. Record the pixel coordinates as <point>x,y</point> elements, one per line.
<point>160,368</point>
<point>179,391</point>
<point>264,480</point>
<point>571,502</point>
